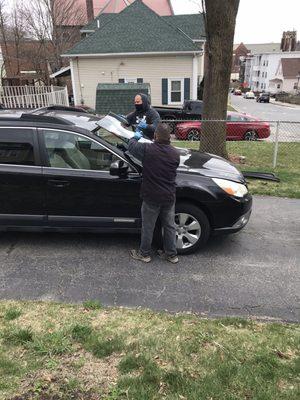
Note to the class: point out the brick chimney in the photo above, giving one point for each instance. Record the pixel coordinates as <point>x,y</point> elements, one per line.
<point>90,10</point>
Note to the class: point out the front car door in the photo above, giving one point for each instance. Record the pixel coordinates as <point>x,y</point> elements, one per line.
<point>81,192</point>
<point>22,194</point>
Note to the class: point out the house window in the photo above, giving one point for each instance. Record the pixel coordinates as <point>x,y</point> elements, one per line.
<point>278,85</point>
<point>131,80</point>
<point>266,74</point>
<point>263,74</point>
<point>295,85</point>
<point>261,85</point>
<point>176,91</point>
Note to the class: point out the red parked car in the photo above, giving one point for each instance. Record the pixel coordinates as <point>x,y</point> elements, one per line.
<point>239,127</point>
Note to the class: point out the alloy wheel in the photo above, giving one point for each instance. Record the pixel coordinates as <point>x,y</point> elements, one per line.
<point>188,230</point>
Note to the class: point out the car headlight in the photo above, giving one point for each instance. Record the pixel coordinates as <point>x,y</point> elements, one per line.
<point>231,188</point>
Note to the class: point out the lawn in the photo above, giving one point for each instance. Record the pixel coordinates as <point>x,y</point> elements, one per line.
<point>259,156</point>
<point>53,351</point>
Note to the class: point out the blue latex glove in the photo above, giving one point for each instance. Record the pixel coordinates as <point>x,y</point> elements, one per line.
<point>142,125</point>
<point>138,134</point>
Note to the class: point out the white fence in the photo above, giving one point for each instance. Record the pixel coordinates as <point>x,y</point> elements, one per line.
<point>33,96</point>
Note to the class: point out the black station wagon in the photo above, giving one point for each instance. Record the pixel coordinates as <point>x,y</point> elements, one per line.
<point>57,176</point>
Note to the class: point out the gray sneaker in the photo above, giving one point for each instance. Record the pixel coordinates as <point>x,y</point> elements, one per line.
<point>136,255</point>
<point>171,259</point>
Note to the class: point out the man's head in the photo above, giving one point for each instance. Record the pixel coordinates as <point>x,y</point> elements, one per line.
<point>162,133</point>
<point>141,102</point>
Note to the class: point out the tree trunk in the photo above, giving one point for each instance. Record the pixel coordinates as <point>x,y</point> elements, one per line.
<point>220,16</point>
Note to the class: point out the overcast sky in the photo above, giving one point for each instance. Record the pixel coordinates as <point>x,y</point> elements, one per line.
<point>258,21</point>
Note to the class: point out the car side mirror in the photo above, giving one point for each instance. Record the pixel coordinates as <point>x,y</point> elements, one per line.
<point>119,168</point>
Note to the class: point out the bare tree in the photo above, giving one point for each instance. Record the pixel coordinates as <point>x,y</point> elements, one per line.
<point>220,18</point>
<point>55,25</point>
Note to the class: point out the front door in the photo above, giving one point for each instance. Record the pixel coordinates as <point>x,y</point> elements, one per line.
<point>22,191</point>
<point>80,190</point>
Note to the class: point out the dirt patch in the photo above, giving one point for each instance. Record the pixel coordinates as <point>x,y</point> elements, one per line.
<point>77,376</point>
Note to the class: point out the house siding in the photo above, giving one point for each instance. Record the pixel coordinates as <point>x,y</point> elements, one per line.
<point>88,72</point>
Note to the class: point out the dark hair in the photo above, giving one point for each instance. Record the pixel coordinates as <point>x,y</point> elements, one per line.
<point>163,133</point>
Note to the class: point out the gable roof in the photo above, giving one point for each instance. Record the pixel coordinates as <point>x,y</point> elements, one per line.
<point>260,48</point>
<point>290,67</point>
<point>161,7</point>
<point>191,24</point>
<point>136,29</point>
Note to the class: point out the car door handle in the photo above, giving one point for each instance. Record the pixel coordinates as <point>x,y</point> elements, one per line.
<point>58,183</point>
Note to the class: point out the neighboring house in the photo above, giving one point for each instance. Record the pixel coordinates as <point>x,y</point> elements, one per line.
<point>264,67</point>
<point>240,51</point>
<point>241,70</point>
<point>92,8</point>
<point>26,64</point>
<point>287,76</point>
<point>139,46</point>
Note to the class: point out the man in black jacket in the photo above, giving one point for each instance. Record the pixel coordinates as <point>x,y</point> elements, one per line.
<point>144,117</point>
<point>158,191</point>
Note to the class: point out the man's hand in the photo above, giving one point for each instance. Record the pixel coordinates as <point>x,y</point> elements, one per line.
<point>138,134</point>
<point>142,125</point>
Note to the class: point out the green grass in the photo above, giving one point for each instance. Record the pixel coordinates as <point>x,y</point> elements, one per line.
<point>259,156</point>
<point>92,305</point>
<point>112,354</point>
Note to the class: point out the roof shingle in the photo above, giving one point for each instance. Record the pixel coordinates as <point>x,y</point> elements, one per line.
<point>136,29</point>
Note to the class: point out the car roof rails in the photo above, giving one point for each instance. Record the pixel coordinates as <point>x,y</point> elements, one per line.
<point>35,118</point>
<point>44,118</point>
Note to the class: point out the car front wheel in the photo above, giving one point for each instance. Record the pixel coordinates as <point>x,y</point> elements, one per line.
<point>192,228</point>
<point>250,135</point>
<point>193,134</point>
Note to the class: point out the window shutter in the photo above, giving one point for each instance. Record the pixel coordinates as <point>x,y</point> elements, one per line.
<point>187,88</point>
<point>121,80</point>
<point>164,90</point>
<point>140,80</point>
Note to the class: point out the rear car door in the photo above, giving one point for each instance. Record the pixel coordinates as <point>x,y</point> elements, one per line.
<point>80,190</point>
<point>21,181</point>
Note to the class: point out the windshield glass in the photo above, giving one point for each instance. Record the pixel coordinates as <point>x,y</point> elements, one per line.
<point>111,138</point>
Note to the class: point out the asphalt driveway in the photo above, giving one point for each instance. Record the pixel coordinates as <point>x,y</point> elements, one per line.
<point>253,273</point>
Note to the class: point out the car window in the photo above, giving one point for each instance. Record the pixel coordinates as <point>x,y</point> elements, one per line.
<point>235,118</point>
<point>17,146</point>
<point>70,150</point>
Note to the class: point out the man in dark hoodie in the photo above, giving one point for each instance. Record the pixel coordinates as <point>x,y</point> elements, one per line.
<point>158,191</point>
<point>144,117</point>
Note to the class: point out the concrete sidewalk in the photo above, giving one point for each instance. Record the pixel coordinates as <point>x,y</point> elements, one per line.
<point>253,273</point>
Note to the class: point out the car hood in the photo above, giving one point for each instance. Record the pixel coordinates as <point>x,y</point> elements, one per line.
<point>191,161</point>
<point>209,165</point>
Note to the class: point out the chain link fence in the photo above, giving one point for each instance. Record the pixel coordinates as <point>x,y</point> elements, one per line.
<point>260,145</point>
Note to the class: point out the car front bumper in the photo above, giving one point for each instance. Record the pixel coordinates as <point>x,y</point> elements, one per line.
<point>237,226</point>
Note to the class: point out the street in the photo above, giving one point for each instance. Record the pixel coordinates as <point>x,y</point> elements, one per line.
<point>252,273</point>
<point>266,111</point>
<point>288,131</point>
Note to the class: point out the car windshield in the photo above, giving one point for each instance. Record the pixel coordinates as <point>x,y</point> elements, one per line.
<point>110,138</point>
<point>112,130</point>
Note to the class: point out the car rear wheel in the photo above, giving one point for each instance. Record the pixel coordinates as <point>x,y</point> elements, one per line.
<point>193,134</point>
<point>192,228</point>
<point>251,135</point>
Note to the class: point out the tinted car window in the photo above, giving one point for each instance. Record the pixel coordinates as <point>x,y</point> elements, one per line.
<point>16,147</point>
<point>70,150</point>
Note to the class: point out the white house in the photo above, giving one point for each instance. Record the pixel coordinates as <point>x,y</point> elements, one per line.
<point>263,68</point>
<point>287,76</point>
<point>138,45</point>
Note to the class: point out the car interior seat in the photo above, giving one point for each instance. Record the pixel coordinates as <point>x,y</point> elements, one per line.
<point>64,152</point>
